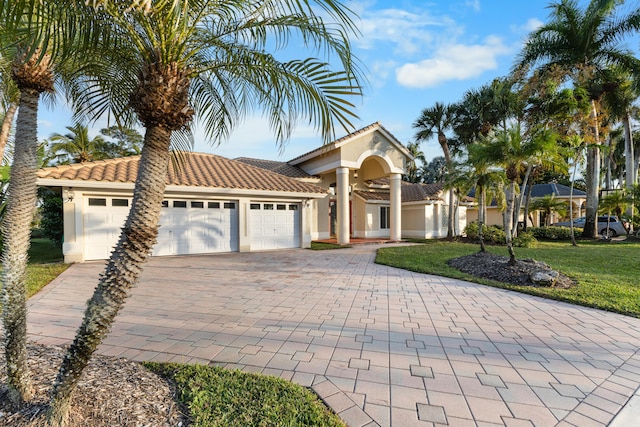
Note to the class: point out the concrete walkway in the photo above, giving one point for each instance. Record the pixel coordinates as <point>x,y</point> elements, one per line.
<point>381,346</point>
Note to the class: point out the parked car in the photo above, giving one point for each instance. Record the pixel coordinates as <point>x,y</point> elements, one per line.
<point>616,227</point>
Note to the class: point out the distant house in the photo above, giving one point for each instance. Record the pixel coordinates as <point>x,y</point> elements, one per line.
<point>351,188</point>
<point>561,192</point>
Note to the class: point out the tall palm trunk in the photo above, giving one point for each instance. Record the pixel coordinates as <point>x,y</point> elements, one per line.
<point>630,172</point>
<point>442,139</point>
<point>592,178</point>
<point>507,220</point>
<point>6,127</point>
<point>123,270</point>
<point>481,217</point>
<point>16,231</point>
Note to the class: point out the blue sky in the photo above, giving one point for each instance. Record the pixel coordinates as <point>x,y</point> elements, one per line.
<point>415,52</point>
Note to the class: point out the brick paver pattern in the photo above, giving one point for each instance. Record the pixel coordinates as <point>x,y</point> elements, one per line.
<point>381,346</point>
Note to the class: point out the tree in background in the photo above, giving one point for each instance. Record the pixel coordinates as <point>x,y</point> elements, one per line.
<point>583,43</point>
<point>434,171</point>
<point>437,121</point>
<point>76,146</point>
<point>413,169</point>
<point>549,204</point>
<point>127,141</point>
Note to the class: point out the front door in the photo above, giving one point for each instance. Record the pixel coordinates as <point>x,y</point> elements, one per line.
<point>333,218</point>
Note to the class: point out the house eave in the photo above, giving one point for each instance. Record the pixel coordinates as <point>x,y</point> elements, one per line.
<point>115,186</point>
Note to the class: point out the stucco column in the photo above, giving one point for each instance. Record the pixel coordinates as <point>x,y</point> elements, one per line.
<point>395,197</point>
<point>342,188</point>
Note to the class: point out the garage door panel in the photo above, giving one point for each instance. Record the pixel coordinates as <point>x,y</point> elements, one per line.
<point>182,231</point>
<point>274,226</point>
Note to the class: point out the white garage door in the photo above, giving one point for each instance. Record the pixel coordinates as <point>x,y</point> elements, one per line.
<point>275,225</point>
<point>186,226</point>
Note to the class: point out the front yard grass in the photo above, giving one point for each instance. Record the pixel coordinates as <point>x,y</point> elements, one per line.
<point>221,397</point>
<point>45,264</point>
<point>606,272</point>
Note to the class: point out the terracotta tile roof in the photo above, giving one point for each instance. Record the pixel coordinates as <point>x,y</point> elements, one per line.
<point>283,168</point>
<point>198,170</point>
<point>373,195</point>
<point>410,192</point>
<point>418,192</point>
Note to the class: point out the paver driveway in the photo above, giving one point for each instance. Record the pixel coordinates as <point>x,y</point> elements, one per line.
<point>381,346</point>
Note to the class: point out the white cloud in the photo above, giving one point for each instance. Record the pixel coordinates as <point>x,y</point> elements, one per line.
<point>529,26</point>
<point>410,32</point>
<point>254,138</point>
<point>474,4</point>
<point>453,62</point>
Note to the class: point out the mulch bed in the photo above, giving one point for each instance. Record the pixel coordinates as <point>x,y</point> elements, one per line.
<point>496,267</point>
<point>112,392</point>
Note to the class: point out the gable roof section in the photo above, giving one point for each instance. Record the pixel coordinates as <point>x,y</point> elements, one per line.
<point>348,138</point>
<point>195,170</point>
<point>282,168</point>
<point>410,193</point>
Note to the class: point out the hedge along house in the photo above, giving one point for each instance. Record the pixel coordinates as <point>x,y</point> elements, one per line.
<point>559,191</point>
<point>349,188</point>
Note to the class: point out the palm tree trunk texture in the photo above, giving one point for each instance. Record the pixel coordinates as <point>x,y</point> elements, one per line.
<point>452,215</point>
<point>520,201</point>
<point>121,273</point>
<point>442,139</point>
<point>507,219</point>
<point>16,231</point>
<point>629,154</point>
<point>6,127</point>
<point>481,217</point>
<point>592,179</point>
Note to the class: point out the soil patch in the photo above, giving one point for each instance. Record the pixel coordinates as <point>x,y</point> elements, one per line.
<point>112,392</point>
<point>496,267</point>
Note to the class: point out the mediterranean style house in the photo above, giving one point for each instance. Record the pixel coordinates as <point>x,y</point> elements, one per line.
<point>350,188</point>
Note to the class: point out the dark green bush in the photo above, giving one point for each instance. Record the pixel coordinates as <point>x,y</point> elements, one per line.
<point>51,224</point>
<point>554,233</point>
<point>491,234</point>
<point>525,239</point>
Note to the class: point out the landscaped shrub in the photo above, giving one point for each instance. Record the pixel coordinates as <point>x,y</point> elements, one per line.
<point>554,233</point>
<point>51,224</point>
<point>525,239</point>
<point>491,234</point>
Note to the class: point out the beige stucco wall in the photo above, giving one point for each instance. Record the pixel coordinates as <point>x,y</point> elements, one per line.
<point>353,154</point>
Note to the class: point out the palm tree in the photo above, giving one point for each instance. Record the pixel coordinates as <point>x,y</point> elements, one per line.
<point>616,202</point>
<point>32,76</point>
<point>436,121</point>
<point>619,101</point>
<point>549,204</point>
<point>209,58</point>
<point>34,40</point>
<point>477,172</point>
<point>76,146</point>
<point>10,98</point>
<point>413,169</point>
<point>513,151</point>
<point>583,43</point>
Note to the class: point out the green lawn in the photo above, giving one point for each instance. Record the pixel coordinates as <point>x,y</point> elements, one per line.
<point>219,397</point>
<point>606,273</point>
<point>45,264</point>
